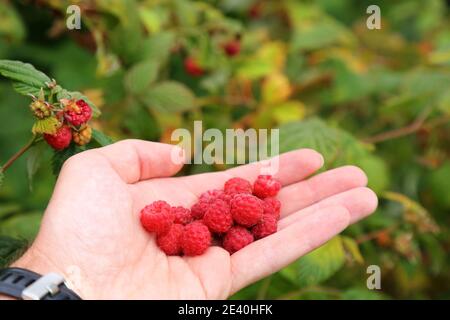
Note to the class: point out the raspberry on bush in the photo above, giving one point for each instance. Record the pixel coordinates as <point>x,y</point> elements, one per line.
<point>61,139</point>
<point>76,112</point>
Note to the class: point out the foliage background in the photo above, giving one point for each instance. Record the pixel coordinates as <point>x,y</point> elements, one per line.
<point>378,99</point>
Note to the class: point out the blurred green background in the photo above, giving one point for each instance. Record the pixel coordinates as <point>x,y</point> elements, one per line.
<point>378,99</point>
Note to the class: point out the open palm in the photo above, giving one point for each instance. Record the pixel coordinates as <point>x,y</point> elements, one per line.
<point>91,231</point>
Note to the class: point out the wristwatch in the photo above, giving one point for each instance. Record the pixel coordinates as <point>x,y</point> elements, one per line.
<point>27,285</point>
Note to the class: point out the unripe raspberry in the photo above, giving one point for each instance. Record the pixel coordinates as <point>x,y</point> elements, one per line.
<point>157,217</point>
<point>41,109</point>
<point>170,242</point>
<point>196,239</point>
<point>266,186</point>
<point>181,215</point>
<point>218,216</point>
<point>237,238</point>
<point>61,139</point>
<point>83,136</point>
<point>246,209</point>
<point>236,186</point>
<point>265,227</point>
<point>76,112</point>
<point>192,67</point>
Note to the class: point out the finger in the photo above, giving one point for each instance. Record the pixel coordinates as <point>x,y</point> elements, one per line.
<point>291,167</point>
<point>359,202</point>
<point>305,193</point>
<point>270,254</point>
<point>136,160</point>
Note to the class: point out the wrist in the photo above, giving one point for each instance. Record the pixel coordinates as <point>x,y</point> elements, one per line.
<point>34,260</point>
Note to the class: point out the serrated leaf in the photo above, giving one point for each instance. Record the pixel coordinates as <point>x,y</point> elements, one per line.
<point>169,96</point>
<point>322,263</point>
<point>59,157</point>
<point>157,47</point>
<point>26,79</point>
<point>47,125</point>
<point>101,138</point>
<point>140,76</point>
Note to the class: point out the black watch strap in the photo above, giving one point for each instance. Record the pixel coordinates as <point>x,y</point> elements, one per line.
<point>25,284</point>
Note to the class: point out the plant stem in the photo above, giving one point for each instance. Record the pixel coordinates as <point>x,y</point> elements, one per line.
<point>18,154</point>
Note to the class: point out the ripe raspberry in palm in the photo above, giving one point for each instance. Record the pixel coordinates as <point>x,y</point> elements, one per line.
<point>192,67</point>
<point>196,239</point>
<point>237,186</point>
<point>237,238</point>
<point>61,139</point>
<point>83,136</point>
<point>157,217</point>
<point>246,209</point>
<point>266,186</point>
<point>181,215</point>
<point>232,48</point>
<point>76,112</point>
<point>170,242</point>
<point>272,206</point>
<point>265,227</point>
<point>218,216</point>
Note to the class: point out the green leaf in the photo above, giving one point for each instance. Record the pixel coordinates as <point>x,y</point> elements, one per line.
<point>158,46</point>
<point>34,159</point>
<point>26,79</point>
<point>352,248</point>
<point>363,294</point>
<point>169,96</point>
<point>322,263</point>
<point>439,183</point>
<point>101,138</point>
<point>48,125</point>
<point>312,133</point>
<point>22,226</point>
<point>10,249</point>
<point>2,176</point>
<point>140,76</point>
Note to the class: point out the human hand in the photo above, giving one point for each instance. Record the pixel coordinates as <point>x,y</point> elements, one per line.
<point>91,225</point>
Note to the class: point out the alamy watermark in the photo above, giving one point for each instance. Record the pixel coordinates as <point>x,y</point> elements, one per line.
<point>234,146</point>
<point>374,20</point>
<point>374,280</point>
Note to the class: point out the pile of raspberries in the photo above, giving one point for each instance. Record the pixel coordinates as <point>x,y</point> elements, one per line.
<point>233,218</point>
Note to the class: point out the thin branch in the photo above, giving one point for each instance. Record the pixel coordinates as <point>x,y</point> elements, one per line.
<point>400,132</point>
<point>18,154</point>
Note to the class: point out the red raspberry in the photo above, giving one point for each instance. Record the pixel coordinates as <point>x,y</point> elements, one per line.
<point>157,217</point>
<point>265,227</point>
<point>237,238</point>
<point>266,186</point>
<point>246,209</point>
<point>196,239</point>
<point>61,139</point>
<point>198,210</point>
<point>232,48</point>
<point>237,185</point>
<point>218,216</point>
<point>77,113</point>
<point>214,194</point>
<point>192,67</point>
<point>170,242</point>
<point>272,206</point>
<point>181,215</point>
